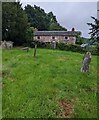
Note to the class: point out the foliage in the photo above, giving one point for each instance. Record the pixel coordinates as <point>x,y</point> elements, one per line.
<point>41,20</point>
<point>29,36</point>
<point>53,24</point>
<point>94,40</point>
<point>80,40</point>
<point>76,48</point>
<point>67,47</point>
<point>94,30</point>
<point>14,22</point>
<point>41,44</point>
<point>70,47</point>
<point>36,17</point>
<point>18,24</point>
<point>34,88</point>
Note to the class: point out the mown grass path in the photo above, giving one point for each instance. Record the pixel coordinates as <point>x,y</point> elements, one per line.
<point>49,86</point>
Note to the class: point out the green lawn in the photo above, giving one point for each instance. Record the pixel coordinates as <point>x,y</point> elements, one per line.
<point>49,86</point>
<point>0,83</point>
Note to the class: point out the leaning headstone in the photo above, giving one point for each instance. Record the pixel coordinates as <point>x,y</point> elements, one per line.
<point>9,44</point>
<point>3,44</point>
<point>86,62</point>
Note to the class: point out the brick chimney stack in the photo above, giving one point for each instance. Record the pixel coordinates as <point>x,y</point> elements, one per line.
<point>73,29</point>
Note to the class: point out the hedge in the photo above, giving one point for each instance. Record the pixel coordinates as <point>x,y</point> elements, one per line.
<point>78,48</point>
<point>67,47</point>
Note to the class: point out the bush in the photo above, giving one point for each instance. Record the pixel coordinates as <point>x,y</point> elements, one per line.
<point>67,47</point>
<point>77,48</point>
<point>95,50</point>
<point>42,44</point>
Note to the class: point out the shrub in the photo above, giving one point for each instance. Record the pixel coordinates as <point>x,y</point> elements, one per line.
<point>67,47</point>
<point>77,48</point>
<point>42,44</point>
<point>95,50</point>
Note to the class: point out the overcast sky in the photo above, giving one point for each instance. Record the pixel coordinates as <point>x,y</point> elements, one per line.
<point>70,14</point>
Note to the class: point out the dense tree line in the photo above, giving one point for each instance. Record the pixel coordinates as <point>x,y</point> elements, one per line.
<point>41,20</point>
<point>18,23</point>
<point>14,22</point>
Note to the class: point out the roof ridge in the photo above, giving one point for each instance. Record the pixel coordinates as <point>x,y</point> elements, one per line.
<point>55,31</point>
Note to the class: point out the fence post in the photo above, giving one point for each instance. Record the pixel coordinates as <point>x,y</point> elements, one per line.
<point>35,50</point>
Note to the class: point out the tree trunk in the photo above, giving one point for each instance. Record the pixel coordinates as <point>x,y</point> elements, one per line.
<point>86,62</point>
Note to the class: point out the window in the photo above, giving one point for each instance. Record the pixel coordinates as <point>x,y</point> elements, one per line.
<point>53,37</point>
<point>66,37</point>
<point>38,37</point>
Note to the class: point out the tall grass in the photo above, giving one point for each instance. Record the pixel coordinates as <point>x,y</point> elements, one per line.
<point>32,88</point>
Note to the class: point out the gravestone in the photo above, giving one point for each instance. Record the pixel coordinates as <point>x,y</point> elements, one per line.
<point>6,44</point>
<point>86,62</point>
<point>9,44</point>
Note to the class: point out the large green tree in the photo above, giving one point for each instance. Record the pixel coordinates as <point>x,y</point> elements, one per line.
<point>53,23</point>
<point>41,20</point>
<point>94,30</point>
<point>37,17</point>
<point>14,22</point>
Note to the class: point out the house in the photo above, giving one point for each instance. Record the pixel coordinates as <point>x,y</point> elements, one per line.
<point>68,37</point>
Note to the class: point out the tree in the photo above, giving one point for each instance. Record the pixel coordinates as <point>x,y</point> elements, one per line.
<point>94,30</point>
<point>94,38</point>
<point>79,39</point>
<point>37,17</point>
<point>53,23</point>
<point>29,33</point>
<point>41,20</point>
<point>14,23</point>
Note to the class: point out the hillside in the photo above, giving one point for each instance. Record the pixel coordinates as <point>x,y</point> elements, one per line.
<point>49,86</point>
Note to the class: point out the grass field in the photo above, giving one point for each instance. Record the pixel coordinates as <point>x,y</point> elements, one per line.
<point>49,86</point>
<point>0,84</point>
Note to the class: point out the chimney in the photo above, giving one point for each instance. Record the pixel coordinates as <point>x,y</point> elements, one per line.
<point>73,29</point>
